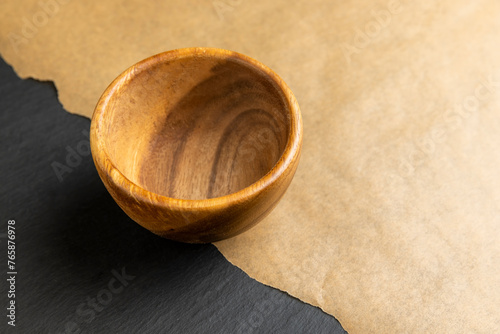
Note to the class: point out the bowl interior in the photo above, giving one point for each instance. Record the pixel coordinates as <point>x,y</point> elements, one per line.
<point>196,127</point>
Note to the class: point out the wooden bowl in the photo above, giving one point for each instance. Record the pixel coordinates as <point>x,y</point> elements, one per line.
<point>197,144</point>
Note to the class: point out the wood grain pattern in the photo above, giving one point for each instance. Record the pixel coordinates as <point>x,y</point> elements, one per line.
<point>197,144</point>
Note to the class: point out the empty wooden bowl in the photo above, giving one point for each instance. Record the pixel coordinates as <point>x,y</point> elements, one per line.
<point>197,144</point>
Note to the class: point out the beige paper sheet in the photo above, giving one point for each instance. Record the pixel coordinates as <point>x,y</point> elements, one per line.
<point>392,223</point>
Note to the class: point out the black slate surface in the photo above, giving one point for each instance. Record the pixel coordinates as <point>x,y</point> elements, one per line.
<point>83,266</point>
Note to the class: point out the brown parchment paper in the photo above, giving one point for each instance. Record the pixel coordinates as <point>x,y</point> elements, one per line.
<point>392,221</point>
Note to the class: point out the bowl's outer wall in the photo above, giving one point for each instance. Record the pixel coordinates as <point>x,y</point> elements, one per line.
<point>200,225</point>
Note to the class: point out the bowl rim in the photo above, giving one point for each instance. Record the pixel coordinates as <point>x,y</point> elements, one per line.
<point>291,152</point>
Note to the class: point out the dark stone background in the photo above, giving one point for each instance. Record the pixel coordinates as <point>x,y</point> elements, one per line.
<point>72,241</point>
